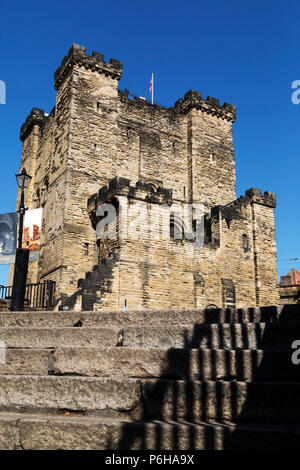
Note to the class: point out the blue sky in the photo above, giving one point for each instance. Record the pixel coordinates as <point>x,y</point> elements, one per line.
<point>245,53</point>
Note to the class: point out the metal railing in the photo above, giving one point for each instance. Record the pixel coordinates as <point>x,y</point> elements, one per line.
<point>5,292</point>
<point>39,295</point>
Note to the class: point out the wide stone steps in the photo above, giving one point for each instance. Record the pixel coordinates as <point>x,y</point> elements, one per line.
<point>275,335</point>
<point>213,379</point>
<point>148,399</point>
<point>70,432</point>
<point>285,313</point>
<point>187,364</point>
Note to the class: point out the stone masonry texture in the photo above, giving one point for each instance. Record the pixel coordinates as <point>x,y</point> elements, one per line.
<point>99,146</point>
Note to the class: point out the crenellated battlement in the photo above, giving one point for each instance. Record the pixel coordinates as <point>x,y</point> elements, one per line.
<point>119,186</point>
<point>194,100</point>
<point>145,105</point>
<point>266,199</point>
<point>252,195</point>
<point>77,56</point>
<point>36,117</point>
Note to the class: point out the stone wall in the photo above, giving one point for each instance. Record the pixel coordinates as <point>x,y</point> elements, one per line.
<point>289,294</point>
<point>166,272</point>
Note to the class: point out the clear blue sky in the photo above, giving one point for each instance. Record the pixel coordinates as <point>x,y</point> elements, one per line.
<point>245,53</point>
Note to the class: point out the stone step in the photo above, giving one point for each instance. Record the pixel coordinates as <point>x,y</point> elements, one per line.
<point>42,338</point>
<point>157,363</point>
<point>149,399</point>
<point>37,432</point>
<point>26,362</point>
<point>177,316</point>
<point>175,363</point>
<point>276,335</point>
<point>85,394</point>
<point>41,319</point>
<point>151,317</point>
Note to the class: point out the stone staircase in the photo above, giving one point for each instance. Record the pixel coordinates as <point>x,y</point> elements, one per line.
<point>214,379</point>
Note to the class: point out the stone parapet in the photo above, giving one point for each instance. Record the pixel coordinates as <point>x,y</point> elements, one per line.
<point>266,199</point>
<point>252,195</point>
<point>194,100</point>
<point>145,105</point>
<point>77,56</point>
<point>121,187</point>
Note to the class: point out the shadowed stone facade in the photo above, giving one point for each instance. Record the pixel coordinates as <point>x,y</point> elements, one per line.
<point>98,146</point>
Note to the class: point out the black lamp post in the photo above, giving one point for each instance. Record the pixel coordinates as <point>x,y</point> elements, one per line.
<point>23,180</point>
<point>22,254</point>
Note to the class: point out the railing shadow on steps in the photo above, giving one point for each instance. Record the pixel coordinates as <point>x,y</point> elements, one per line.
<point>252,406</point>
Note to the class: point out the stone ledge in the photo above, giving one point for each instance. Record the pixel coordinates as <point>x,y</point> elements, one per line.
<point>31,431</point>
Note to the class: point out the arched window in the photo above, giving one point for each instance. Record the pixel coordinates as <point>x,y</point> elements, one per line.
<point>176,228</point>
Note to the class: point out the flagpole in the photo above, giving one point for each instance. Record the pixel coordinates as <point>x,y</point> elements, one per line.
<point>152,86</point>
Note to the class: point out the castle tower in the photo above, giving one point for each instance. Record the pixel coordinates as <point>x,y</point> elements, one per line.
<point>211,165</point>
<point>96,137</point>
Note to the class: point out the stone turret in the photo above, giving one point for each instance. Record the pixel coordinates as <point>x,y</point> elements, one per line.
<point>193,100</point>
<point>77,56</point>
<point>266,199</point>
<point>31,136</point>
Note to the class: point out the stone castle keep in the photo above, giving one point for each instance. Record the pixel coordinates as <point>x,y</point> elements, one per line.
<point>98,146</point>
